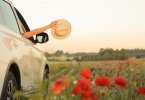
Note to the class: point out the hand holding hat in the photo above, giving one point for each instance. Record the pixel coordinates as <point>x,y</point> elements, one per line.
<point>61,30</point>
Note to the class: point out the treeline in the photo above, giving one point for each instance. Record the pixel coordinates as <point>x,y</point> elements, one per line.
<point>103,54</point>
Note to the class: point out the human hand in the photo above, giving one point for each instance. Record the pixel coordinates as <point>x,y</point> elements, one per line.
<point>53,24</point>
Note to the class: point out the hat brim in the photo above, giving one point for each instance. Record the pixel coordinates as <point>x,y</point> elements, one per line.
<point>63,22</point>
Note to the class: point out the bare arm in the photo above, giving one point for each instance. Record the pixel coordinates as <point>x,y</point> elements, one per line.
<point>39,30</point>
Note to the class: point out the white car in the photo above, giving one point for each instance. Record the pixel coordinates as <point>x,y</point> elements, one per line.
<point>22,63</point>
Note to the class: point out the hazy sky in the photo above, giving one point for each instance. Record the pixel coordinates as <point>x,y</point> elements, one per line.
<point>95,23</point>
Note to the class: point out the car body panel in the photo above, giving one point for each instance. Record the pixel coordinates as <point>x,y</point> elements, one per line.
<point>15,46</point>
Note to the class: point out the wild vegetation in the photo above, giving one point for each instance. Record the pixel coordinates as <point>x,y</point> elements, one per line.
<point>97,80</point>
<point>102,55</point>
<point>94,76</point>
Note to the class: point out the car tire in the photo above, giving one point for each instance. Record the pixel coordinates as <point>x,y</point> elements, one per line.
<point>10,87</point>
<point>45,82</point>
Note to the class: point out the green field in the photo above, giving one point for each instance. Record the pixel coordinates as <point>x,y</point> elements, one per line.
<point>130,70</point>
<point>130,74</point>
<point>57,66</point>
<point>61,58</point>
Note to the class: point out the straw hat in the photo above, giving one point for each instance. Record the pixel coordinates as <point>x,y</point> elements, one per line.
<point>61,30</point>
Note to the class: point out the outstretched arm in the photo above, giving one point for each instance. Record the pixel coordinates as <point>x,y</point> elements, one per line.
<point>39,30</point>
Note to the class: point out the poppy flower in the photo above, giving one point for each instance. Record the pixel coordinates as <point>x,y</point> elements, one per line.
<point>137,73</point>
<point>86,73</point>
<point>135,64</point>
<point>92,97</point>
<point>133,96</point>
<point>107,74</point>
<point>60,85</point>
<point>106,64</point>
<point>102,81</point>
<point>141,90</point>
<point>121,68</point>
<point>120,81</point>
<point>83,87</point>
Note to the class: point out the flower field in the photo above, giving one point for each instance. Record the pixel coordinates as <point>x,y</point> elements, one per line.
<point>93,80</point>
<point>104,80</point>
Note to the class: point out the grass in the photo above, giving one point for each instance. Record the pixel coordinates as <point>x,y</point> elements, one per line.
<point>98,69</point>
<point>56,67</point>
<point>61,58</point>
<point>131,70</point>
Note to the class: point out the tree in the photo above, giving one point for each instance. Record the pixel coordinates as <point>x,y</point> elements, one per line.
<point>76,58</point>
<point>58,53</point>
<point>47,54</point>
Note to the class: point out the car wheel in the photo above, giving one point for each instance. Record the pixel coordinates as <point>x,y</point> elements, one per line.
<point>45,82</point>
<point>10,87</point>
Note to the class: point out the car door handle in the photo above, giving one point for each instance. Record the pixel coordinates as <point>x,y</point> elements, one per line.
<point>15,43</point>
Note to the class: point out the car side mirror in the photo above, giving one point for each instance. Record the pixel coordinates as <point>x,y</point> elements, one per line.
<point>42,38</point>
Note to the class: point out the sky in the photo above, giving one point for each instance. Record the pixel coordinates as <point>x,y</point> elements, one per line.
<point>95,24</point>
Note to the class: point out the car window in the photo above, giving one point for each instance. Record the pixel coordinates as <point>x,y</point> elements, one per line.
<point>23,25</point>
<point>1,21</point>
<point>9,17</point>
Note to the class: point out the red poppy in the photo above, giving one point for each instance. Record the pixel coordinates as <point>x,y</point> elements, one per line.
<point>86,73</point>
<point>60,85</point>
<point>84,87</point>
<point>137,73</point>
<point>107,74</point>
<point>121,68</point>
<point>92,97</point>
<point>102,81</point>
<point>135,64</point>
<point>141,90</point>
<point>106,64</point>
<point>120,81</point>
<point>133,96</point>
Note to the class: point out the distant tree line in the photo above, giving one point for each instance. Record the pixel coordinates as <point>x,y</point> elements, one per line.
<point>103,54</point>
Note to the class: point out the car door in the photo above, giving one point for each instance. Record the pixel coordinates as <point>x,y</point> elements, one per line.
<point>37,58</point>
<point>17,46</point>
